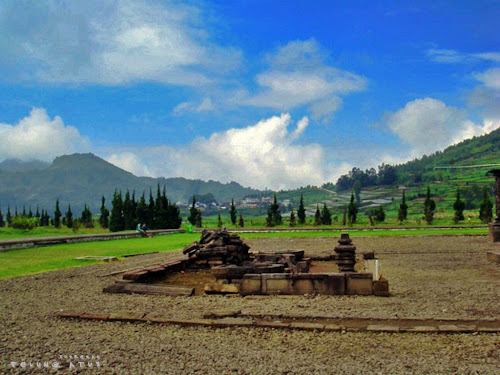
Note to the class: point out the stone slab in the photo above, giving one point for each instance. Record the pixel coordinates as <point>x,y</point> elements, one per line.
<point>138,288</point>
<point>359,284</point>
<point>127,316</point>
<point>272,324</point>
<point>308,326</point>
<point>493,256</point>
<point>94,316</point>
<point>382,328</point>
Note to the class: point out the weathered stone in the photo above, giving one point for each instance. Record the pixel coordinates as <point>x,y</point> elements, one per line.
<point>251,284</point>
<point>381,288</point>
<point>127,316</point>
<point>359,283</point>
<point>493,256</point>
<point>221,288</point>
<point>308,326</point>
<point>138,288</point>
<point>94,316</point>
<point>346,254</point>
<point>382,328</point>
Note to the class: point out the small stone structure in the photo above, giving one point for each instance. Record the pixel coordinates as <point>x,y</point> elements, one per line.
<point>236,270</point>
<point>346,254</point>
<point>495,225</point>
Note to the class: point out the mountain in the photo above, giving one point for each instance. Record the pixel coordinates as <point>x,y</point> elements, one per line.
<point>84,178</point>
<point>16,165</point>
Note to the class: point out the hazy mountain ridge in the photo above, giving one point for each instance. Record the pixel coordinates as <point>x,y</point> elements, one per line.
<point>83,178</point>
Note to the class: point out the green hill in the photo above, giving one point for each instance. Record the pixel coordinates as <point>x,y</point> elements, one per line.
<point>83,178</point>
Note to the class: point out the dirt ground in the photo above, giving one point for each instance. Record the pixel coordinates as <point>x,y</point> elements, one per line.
<point>430,277</point>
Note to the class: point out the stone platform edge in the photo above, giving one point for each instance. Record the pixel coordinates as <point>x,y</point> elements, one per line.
<point>152,318</point>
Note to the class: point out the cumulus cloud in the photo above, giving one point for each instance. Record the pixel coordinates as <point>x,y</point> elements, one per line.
<point>266,154</point>
<point>490,78</point>
<point>111,42</point>
<point>429,125</point>
<point>40,137</point>
<point>298,74</point>
<point>130,162</point>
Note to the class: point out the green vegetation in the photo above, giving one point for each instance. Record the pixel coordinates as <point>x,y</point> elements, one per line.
<point>41,259</point>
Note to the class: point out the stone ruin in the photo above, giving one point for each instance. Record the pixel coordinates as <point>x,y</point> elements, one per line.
<point>237,270</point>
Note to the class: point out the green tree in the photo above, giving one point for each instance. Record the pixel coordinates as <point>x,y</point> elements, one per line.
<point>57,215</point>
<point>8,216</point>
<point>141,211</point>
<point>116,221</point>
<point>292,219</point>
<point>380,214</point>
<point>486,207</point>
<point>232,212</point>
<point>429,207</point>
<point>273,214</point>
<point>403,209</point>
<point>104,218</point>
<point>86,217</point>
<point>199,220</point>
<point>241,222</point>
<point>193,212</point>
<point>352,210</point>
<point>317,216</point>
<point>2,222</point>
<point>69,217</point>
<point>151,211</point>
<point>344,215</point>
<point>459,207</point>
<point>301,212</point>
<point>219,221</point>
<point>161,205</point>
<point>326,216</point>
<point>128,212</point>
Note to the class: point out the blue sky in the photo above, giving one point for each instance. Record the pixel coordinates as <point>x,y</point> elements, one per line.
<point>275,94</point>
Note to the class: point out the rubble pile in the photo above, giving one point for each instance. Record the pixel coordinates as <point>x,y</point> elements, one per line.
<point>218,247</point>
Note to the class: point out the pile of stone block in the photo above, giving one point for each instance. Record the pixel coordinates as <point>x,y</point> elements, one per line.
<point>216,248</point>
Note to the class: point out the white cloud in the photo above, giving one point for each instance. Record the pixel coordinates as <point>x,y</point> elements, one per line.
<point>451,56</point>
<point>205,105</point>
<point>262,155</point>
<point>130,162</point>
<point>113,42</point>
<point>429,125</point>
<point>299,75</point>
<point>490,78</point>
<point>39,137</point>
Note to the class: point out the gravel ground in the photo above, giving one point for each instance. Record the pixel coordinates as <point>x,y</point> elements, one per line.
<point>430,277</point>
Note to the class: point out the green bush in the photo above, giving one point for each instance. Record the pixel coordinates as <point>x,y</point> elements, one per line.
<point>23,222</point>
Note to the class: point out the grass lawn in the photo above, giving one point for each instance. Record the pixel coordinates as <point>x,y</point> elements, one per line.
<point>41,259</point>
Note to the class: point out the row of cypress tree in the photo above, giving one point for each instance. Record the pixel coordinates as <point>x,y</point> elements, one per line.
<point>157,213</point>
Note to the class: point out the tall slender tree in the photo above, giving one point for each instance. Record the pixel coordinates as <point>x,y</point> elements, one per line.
<point>301,212</point>
<point>352,210</point>
<point>233,212</point>
<point>104,218</point>
<point>116,221</point>
<point>241,222</point>
<point>151,211</point>
<point>193,212</point>
<point>128,212</point>
<point>141,211</point>
<point>429,207</point>
<point>69,217</point>
<point>57,215</point>
<point>8,216</point>
<point>86,217</point>
<point>273,214</point>
<point>459,207</point>
<point>486,207</point>
<point>2,222</point>
<point>219,221</point>
<point>403,209</point>
<point>293,222</point>
<point>317,216</point>
<point>326,216</point>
